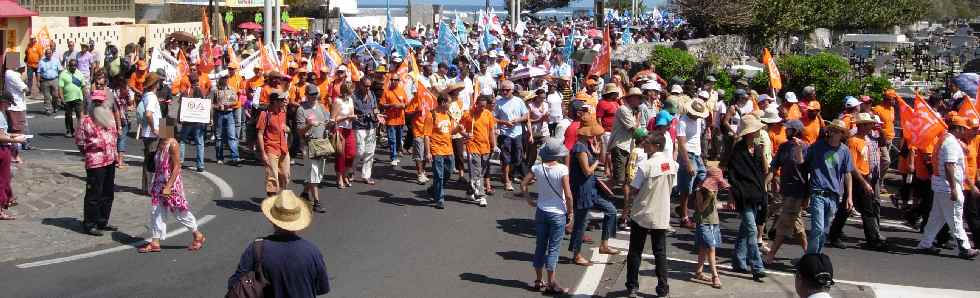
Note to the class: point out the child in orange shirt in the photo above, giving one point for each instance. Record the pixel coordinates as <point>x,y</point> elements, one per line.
<point>480,135</point>
<point>439,147</point>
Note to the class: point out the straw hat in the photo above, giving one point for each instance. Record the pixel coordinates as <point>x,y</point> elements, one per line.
<point>590,128</point>
<point>454,87</point>
<point>151,79</point>
<point>553,149</point>
<point>749,125</point>
<point>715,180</point>
<point>610,88</point>
<point>839,124</point>
<point>771,116</point>
<point>696,108</point>
<point>287,211</point>
<point>864,118</point>
<point>634,92</point>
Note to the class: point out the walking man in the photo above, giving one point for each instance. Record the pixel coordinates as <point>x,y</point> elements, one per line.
<point>829,169</point>
<point>481,137</point>
<point>511,114</point>
<point>747,171</point>
<point>49,68</point>
<point>273,147</point>
<point>96,139</point>
<point>365,128</point>
<point>863,195</point>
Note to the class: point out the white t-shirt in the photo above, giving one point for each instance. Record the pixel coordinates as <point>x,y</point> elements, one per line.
<point>560,129</point>
<point>949,151</point>
<point>466,95</point>
<point>16,88</point>
<point>691,129</point>
<point>152,105</point>
<point>551,197</point>
<point>487,84</point>
<point>720,110</point>
<point>554,107</point>
<point>668,144</point>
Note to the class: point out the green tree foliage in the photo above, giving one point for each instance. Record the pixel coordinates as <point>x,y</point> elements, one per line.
<point>944,10</point>
<point>671,62</point>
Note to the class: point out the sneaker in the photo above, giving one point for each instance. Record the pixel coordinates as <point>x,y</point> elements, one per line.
<point>483,202</point>
<point>440,205</point>
<point>473,198</point>
<point>758,276</point>
<point>928,250</point>
<point>394,163</point>
<point>632,293</point>
<point>220,162</point>
<point>318,208</point>
<point>969,254</point>
<point>423,179</point>
<point>200,170</point>
<point>837,244</point>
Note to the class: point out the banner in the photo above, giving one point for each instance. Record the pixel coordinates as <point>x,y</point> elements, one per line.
<point>920,125</point>
<point>775,79</point>
<point>163,60</point>
<point>601,64</point>
<point>195,110</point>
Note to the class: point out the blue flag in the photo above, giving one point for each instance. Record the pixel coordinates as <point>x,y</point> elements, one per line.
<point>460,27</point>
<point>569,48</point>
<point>627,36</point>
<point>394,40</point>
<point>487,40</point>
<point>346,37</point>
<point>448,47</point>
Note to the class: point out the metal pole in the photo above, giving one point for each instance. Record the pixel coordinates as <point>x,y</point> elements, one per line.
<point>267,22</point>
<point>277,23</point>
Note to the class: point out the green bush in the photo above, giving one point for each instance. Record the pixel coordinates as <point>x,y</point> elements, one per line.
<point>672,62</point>
<point>726,83</point>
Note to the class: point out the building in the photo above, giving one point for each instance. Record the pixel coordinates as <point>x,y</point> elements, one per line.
<point>15,23</point>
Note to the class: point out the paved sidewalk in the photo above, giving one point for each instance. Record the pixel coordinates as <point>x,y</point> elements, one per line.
<point>50,187</point>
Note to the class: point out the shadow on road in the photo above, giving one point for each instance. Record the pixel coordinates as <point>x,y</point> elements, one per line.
<point>523,227</point>
<point>75,225</point>
<point>253,204</point>
<point>480,278</point>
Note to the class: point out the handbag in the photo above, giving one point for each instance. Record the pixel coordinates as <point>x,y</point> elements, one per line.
<point>320,148</point>
<point>251,284</point>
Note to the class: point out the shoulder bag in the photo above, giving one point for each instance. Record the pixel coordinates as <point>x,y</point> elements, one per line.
<point>251,284</point>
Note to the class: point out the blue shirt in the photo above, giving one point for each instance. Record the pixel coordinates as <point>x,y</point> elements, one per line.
<point>292,266</point>
<point>827,166</point>
<point>49,68</point>
<point>510,110</point>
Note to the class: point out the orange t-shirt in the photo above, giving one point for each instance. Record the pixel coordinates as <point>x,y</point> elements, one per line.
<point>34,54</point>
<point>887,115</point>
<point>971,161</point>
<point>859,154</point>
<point>440,127</point>
<point>235,82</point>
<point>418,124</point>
<point>136,80</point>
<point>811,130</point>
<point>793,112</point>
<point>323,83</point>
<point>777,136</point>
<point>480,125</point>
<point>394,116</point>
<point>274,135</point>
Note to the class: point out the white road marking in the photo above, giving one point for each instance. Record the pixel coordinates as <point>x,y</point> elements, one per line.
<point>223,187</point>
<point>200,222</point>
<point>593,274</point>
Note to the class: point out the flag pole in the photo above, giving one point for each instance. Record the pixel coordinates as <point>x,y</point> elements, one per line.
<point>358,36</point>
<point>465,53</point>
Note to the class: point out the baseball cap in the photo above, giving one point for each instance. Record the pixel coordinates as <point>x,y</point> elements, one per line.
<point>816,269</point>
<point>740,93</point>
<point>652,85</point>
<point>793,124</point>
<point>663,118</point>
<point>676,89</point>
<point>851,102</point>
<point>790,97</point>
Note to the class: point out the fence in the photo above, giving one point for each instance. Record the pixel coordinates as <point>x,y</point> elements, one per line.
<point>119,35</point>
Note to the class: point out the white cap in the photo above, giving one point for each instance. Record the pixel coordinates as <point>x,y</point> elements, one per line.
<point>396,55</point>
<point>704,94</point>
<point>852,102</point>
<point>790,97</point>
<point>652,85</point>
<point>492,54</point>
<point>676,89</point>
<point>342,68</point>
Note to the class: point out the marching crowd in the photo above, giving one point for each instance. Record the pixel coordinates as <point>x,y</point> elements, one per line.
<point>629,138</point>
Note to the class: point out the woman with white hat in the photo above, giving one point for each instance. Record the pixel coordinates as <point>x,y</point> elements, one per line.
<point>553,210</point>
<point>747,175</point>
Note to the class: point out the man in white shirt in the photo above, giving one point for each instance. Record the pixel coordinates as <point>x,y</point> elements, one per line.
<point>555,108</point>
<point>17,89</point>
<point>689,129</point>
<point>152,115</point>
<point>488,82</point>
<point>947,188</point>
<point>650,213</point>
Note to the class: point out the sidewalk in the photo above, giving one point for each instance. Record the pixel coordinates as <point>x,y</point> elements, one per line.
<point>50,187</point>
<point>682,284</point>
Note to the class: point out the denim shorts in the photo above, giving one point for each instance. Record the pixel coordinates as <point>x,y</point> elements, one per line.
<point>686,183</point>
<point>707,236</point>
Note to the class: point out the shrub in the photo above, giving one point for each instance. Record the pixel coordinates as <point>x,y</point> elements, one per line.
<point>672,62</point>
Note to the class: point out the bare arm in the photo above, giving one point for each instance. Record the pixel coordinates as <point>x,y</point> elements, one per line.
<point>524,186</point>
<point>848,203</point>
<point>567,188</point>
<point>583,161</point>
<point>174,168</point>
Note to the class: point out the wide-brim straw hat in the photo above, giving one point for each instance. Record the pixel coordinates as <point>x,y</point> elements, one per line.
<point>715,180</point>
<point>839,125</point>
<point>610,88</point>
<point>455,87</point>
<point>634,92</point>
<point>749,125</point>
<point>287,211</point>
<point>696,107</point>
<point>864,118</point>
<point>151,79</point>
<point>771,116</point>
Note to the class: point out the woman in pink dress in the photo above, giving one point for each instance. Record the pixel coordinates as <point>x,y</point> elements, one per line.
<point>167,194</point>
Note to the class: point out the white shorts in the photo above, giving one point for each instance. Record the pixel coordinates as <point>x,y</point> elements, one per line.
<point>314,170</point>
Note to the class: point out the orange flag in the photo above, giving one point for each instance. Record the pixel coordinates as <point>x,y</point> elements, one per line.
<point>265,63</point>
<point>601,64</point>
<point>775,79</point>
<point>182,82</point>
<point>920,125</point>
<point>233,58</point>
<point>968,109</point>
<point>205,25</point>
<point>319,60</point>
<point>355,72</point>
<point>285,57</point>
<point>426,99</point>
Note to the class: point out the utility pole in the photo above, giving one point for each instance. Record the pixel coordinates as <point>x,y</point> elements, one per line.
<point>277,23</point>
<point>267,22</point>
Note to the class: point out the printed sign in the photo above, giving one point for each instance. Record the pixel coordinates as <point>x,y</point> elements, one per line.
<point>196,110</point>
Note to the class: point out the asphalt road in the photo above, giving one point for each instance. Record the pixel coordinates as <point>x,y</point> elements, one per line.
<point>388,241</point>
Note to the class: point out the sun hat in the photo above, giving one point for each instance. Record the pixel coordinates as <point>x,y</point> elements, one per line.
<point>640,133</point>
<point>590,128</point>
<point>793,124</point>
<point>610,88</point>
<point>711,78</point>
<point>553,149</point>
<point>578,105</point>
<point>342,68</point>
<point>739,93</point>
<point>851,102</point>
<point>864,118</point>
<point>763,97</point>
<point>652,85</point>
<point>749,125</point>
<point>663,118</point>
<point>891,93</point>
<point>714,180</point>
<point>676,89</point>
<point>455,86</point>
<point>840,125</point>
<point>771,116</point>
<point>528,95</point>
<point>696,108</point>
<point>287,211</point>
<point>790,97</point>
<point>816,268</point>
<point>634,92</point>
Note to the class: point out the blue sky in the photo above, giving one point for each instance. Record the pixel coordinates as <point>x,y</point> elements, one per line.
<point>575,3</point>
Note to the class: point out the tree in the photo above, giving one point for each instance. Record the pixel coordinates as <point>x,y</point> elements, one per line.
<point>945,10</point>
<point>715,16</point>
<point>539,5</point>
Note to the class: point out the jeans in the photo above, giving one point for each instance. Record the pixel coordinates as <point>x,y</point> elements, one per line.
<point>550,228</point>
<point>395,135</point>
<point>442,166</point>
<point>193,133</point>
<point>100,185</point>
<point>227,134</point>
<point>746,249</point>
<point>123,135</point>
<point>688,183</point>
<point>823,207</point>
<point>239,123</point>
<point>658,239</point>
<point>581,216</point>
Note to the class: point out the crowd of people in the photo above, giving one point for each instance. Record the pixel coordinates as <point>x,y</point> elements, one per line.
<point>628,143</point>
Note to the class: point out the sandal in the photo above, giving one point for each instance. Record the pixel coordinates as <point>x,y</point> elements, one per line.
<point>197,244</point>
<point>716,282</point>
<point>369,182</point>
<point>149,247</point>
<point>554,288</point>
<point>5,216</point>
<point>538,285</point>
<point>701,277</point>
<point>610,251</point>
<point>582,262</point>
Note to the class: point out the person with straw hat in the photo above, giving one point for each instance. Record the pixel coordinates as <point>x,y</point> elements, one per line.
<point>863,193</point>
<point>774,127</point>
<point>690,127</point>
<point>747,175</point>
<point>292,266</point>
<point>829,167</point>
<point>553,209</point>
<point>167,194</point>
<point>583,163</point>
<point>150,116</point>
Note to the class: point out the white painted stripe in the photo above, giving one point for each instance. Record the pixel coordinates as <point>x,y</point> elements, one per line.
<point>223,187</point>
<point>593,274</point>
<point>30,102</point>
<point>93,254</point>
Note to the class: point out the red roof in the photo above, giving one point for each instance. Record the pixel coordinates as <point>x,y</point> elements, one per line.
<point>10,9</point>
